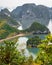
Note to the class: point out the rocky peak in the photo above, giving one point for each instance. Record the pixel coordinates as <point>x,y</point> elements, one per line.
<point>28,13</point>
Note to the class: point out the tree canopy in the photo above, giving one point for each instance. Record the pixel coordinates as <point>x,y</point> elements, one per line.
<point>45,55</point>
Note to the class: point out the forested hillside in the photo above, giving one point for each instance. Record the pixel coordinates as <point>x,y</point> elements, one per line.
<point>6,30</point>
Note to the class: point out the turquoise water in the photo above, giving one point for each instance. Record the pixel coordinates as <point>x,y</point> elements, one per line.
<point>36,50</point>
<point>33,50</point>
<point>42,36</point>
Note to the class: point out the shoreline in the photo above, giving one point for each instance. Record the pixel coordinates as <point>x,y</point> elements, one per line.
<point>19,35</point>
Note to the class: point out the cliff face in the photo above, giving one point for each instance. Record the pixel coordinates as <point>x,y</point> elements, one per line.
<point>26,15</point>
<point>29,13</point>
<point>50,12</point>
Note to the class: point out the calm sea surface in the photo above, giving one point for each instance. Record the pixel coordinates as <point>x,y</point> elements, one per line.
<point>35,50</point>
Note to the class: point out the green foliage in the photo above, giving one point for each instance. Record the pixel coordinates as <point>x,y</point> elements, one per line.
<point>6,29</point>
<point>45,55</point>
<point>9,55</point>
<point>37,27</point>
<point>34,41</point>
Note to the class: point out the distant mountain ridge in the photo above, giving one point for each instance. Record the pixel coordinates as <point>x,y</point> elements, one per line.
<point>27,14</point>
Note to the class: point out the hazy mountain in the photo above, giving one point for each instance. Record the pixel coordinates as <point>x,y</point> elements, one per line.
<point>50,11</point>
<point>26,15</point>
<point>6,15</point>
<point>29,13</point>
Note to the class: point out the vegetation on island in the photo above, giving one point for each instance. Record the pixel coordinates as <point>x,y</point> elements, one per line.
<point>37,28</point>
<point>34,41</point>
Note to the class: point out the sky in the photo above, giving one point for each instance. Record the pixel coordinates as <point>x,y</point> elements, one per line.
<point>12,4</point>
